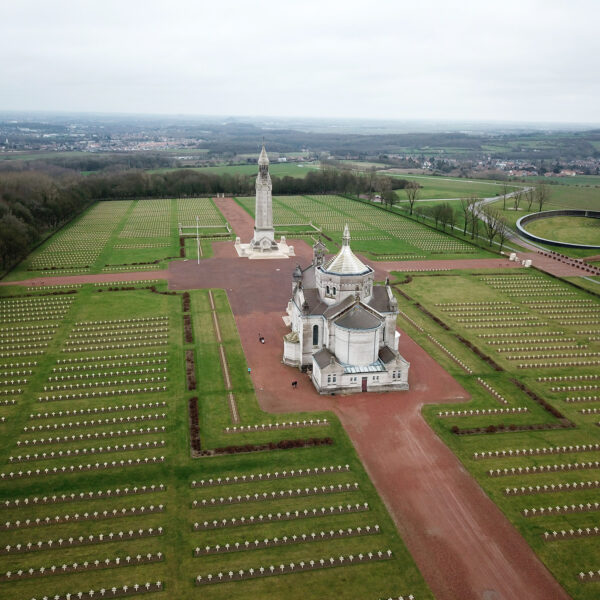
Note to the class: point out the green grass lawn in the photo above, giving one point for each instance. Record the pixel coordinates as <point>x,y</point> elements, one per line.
<point>458,300</point>
<point>91,312</point>
<point>453,187</point>
<point>575,230</point>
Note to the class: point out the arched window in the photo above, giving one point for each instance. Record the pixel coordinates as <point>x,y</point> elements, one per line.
<point>327,290</point>
<point>334,291</point>
<point>315,335</point>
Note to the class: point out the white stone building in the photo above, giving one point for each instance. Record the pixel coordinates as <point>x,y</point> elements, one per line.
<point>343,328</point>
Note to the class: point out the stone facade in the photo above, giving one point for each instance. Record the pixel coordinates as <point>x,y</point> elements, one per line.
<point>343,327</point>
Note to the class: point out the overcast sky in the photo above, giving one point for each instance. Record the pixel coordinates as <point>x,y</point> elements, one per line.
<point>525,60</point>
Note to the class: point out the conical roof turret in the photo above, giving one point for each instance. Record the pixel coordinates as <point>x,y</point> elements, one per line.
<point>345,262</point>
<point>263,159</point>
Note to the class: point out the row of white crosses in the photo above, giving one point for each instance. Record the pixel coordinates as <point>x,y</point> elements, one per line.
<point>115,513</point>
<point>496,324</point>
<point>560,510</point>
<point>574,388</point>
<point>582,399</point>
<point>450,354</point>
<point>572,486</point>
<point>492,391</point>
<point>552,355</point>
<point>536,339</point>
<point>483,411</point>
<point>563,534</point>
<point>113,357</point>
<point>109,365</point>
<point>103,393</point>
<point>286,516</point>
<point>18,353</point>
<point>544,468</point>
<point>115,464</point>
<point>120,328</point>
<point>98,435</point>
<point>409,597</point>
<point>55,287</point>
<point>503,320</point>
<point>589,576</point>
<point>86,451</point>
<point>300,538</point>
<point>101,374</point>
<point>509,452</point>
<point>479,303</point>
<point>589,411</point>
<point>548,349</point>
<point>509,335</point>
<point>103,383</point>
<point>101,409</point>
<point>282,494</point>
<point>271,426</point>
<point>91,539</point>
<point>95,348</point>
<point>301,566</point>
<point>411,321</point>
<point>82,496</point>
<point>93,422</point>
<point>111,283</point>
<point>568,363</point>
<point>104,338</point>
<point>300,472</point>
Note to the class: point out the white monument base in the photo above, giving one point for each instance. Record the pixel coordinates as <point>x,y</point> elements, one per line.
<point>247,251</point>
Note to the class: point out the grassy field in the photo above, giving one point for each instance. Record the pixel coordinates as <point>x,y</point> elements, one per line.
<point>578,180</point>
<point>100,360</point>
<point>576,230</point>
<point>512,317</point>
<point>433,188</point>
<point>276,169</point>
<point>377,233</point>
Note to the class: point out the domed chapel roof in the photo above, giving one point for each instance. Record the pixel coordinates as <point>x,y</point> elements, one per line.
<point>345,262</point>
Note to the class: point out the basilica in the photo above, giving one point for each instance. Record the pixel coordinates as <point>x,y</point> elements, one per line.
<point>343,327</point>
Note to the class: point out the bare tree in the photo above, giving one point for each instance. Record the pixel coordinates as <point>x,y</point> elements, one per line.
<point>475,212</point>
<point>503,230</point>
<point>371,176</point>
<point>466,205</point>
<point>542,194</point>
<point>517,197</point>
<point>490,220</point>
<point>530,197</point>
<point>505,192</point>
<point>412,193</point>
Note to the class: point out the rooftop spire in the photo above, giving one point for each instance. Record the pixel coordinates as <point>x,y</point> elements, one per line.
<point>346,236</point>
<point>263,159</point>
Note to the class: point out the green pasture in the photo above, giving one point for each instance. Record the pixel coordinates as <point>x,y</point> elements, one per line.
<point>576,230</point>
<point>92,308</point>
<point>432,188</point>
<point>577,180</point>
<point>560,313</point>
<point>276,169</point>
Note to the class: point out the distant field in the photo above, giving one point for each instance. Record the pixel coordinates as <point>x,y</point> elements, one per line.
<point>276,169</point>
<point>576,230</point>
<point>584,180</point>
<point>448,187</point>
<point>40,155</point>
